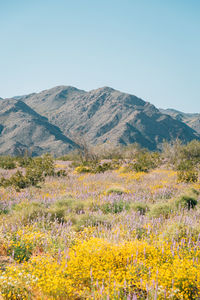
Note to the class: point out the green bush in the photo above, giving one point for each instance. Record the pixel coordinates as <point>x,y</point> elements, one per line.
<point>17,180</point>
<point>88,167</point>
<point>160,209</point>
<point>101,168</point>
<point>142,208</point>
<point>20,251</point>
<point>3,210</point>
<point>57,213</point>
<point>145,161</point>
<point>185,165</point>
<point>36,170</point>
<point>45,164</point>
<point>26,212</point>
<point>24,161</point>
<point>187,176</point>
<point>82,221</point>
<point>61,173</point>
<point>115,207</point>
<point>178,231</point>
<point>83,169</point>
<point>7,162</point>
<point>34,175</point>
<point>115,190</point>
<point>191,152</point>
<point>185,201</point>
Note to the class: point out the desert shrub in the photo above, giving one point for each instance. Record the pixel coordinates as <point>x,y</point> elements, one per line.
<point>3,209</point>
<point>115,207</point>
<point>45,164</point>
<point>17,180</point>
<point>7,162</point>
<point>129,167</point>
<point>184,165</point>
<point>88,167</point>
<point>61,208</point>
<point>160,209</point>
<point>83,169</point>
<point>34,175</point>
<point>20,181</point>
<point>24,161</point>
<point>20,251</point>
<point>69,206</point>
<point>191,152</point>
<point>101,168</point>
<point>66,202</point>
<point>115,190</point>
<point>87,220</point>
<point>61,173</point>
<point>185,201</point>
<point>182,157</point>
<point>178,231</point>
<point>57,213</point>
<point>145,161</point>
<point>36,170</point>
<point>171,151</point>
<point>4,182</point>
<point>194,191</point>
<point>187,176</point>
<point>142,208</point>
<point>26,212</point>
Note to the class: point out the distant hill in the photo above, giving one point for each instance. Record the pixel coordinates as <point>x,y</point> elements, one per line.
<point>107,115</point>
<point>22,128</point>
<point>51,120</point>
<point>192,120</point>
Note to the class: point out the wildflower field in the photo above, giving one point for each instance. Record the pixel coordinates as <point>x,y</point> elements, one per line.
<point>115,234</point>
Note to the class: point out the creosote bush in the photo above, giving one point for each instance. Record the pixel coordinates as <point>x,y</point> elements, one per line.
<point>36,170</point>
<point>91,167</point>
<point>7,162</point>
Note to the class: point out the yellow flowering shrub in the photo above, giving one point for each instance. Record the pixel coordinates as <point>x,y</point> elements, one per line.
<point>100,268</point>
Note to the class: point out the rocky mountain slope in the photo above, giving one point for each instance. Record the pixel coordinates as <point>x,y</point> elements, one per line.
<point>192,120</point>
<point>22,128</point>
<point>107,115</point>
<point>44,121</point>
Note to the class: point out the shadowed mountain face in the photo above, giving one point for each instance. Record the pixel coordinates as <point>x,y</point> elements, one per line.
<point>107,115</point>
<point>43,121</point>
<point>192,120</point>
<point>22,128</point>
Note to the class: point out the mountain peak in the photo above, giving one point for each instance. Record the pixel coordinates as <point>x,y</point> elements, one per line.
<point>45,120</point>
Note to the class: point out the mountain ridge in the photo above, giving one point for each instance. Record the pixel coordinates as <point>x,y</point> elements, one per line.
<point>191,119</point>
<point>101,115</point>
<point>22,128</point>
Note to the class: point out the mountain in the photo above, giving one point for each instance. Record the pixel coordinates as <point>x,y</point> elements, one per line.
<point>22,128</point>
<point>192,120</point>
<point>107,115</point>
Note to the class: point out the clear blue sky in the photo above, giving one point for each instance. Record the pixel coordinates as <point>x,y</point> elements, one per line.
<point>150,48</point>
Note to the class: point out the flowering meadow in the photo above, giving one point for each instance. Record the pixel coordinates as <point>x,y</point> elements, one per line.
<point>116,234</point>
